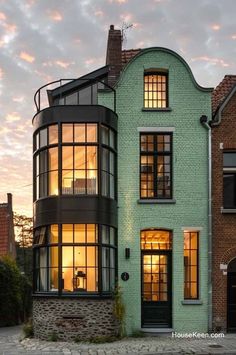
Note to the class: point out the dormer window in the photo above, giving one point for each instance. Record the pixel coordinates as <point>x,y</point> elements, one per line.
<point>155,90</point>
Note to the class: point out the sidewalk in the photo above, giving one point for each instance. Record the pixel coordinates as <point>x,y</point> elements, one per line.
<point>10,344</point>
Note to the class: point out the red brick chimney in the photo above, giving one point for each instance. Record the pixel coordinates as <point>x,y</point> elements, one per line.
<point>113,58</point>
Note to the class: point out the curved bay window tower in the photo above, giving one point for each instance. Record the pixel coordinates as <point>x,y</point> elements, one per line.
<point>75,211</point>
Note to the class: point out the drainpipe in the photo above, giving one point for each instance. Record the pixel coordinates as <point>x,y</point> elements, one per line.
<point>203,121</point>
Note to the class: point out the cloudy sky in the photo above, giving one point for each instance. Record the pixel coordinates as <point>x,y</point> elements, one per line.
<point>45,40</point>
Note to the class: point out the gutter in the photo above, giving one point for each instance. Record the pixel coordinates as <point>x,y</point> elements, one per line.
<point>205,123</point>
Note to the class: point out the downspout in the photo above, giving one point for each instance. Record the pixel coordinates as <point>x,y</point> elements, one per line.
<point>203,121</point>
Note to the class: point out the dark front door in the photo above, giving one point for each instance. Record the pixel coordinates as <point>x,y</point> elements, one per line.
<point>156,289</point>
<point>231,319</point>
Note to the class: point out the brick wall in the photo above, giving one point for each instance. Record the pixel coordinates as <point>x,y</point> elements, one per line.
<point>190,187</point>
<point>7,240</point>
<point>224,225</point>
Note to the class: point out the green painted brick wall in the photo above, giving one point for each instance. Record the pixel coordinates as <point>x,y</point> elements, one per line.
<point>190,181</point>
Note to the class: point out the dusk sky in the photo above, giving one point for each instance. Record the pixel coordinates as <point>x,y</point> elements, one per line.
<point>44,40</point>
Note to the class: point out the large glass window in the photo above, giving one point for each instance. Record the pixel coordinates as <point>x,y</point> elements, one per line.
<point>79,161</point>
<point>155,165</point>
<point>78,155</point>
<point>47,172</point>
<point>88,254</point>
<point>229,179</point>
<point>191,265</point>
<point>155,90</point>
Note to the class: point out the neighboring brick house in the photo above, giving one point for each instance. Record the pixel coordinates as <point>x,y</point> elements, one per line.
<point>224,204</point>
<point>7,237</point>
<point>120,164</point>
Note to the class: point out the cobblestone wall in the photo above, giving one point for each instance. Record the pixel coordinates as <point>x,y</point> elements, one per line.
<point>71,318</point>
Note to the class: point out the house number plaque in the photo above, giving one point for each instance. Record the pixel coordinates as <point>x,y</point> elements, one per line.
<point>125,276</point>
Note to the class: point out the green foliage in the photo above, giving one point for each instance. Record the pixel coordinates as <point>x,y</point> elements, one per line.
<point>28,329</point>
<point>119,311</point>
<point>53,337</point>
<point>14,293</point>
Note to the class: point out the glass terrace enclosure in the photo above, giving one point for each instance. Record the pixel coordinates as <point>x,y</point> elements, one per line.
<point>75,208</point>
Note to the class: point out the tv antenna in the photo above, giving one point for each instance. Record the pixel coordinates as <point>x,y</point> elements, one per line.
<point>124,28</point>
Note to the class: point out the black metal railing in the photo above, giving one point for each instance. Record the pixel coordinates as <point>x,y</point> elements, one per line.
<point>38,94</point>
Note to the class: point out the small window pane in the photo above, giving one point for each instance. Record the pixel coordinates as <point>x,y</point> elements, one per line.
<point>43,137</point>
<point>67,234</point>
<point>53,279</point>
<point>67,157</point>
<point>67,256</point>
<point>229,159</point>
<point>85,96</point>
<point>105,135</point>
<point>92,182</point>
<point>53,183</point>
<point>91,132</point>
<point>37,141</point>
<point>53,158</point>
<point>72,99</point>
<point>91,233</point>
<point>91,157</point>
<point>80,256</point>
<point>67,181</point>
<point>53,134</point>
<point>67,133</point>
<point>79,182</point>
<point>79,132</point>
<point>229,198</point>
<point>53,256</point>
<point>79,233</point>
<point>112,139</point>
<point>53,234</point>
<point>80,157</point>
<point>43,167</point>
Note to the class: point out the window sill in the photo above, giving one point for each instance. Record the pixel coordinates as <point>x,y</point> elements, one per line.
<point>191,302</point>
<point>157,201</point>
<point>163,109</point>
<point>228,210</point>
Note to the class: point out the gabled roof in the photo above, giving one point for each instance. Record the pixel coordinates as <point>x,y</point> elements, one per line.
<point>128,54</point>
<point>221,92</point>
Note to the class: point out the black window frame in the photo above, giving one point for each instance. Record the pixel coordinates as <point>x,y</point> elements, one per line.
<point>229,170</point>
<point>155,154</point>
<point>166,91</point>
<point>99,244</point>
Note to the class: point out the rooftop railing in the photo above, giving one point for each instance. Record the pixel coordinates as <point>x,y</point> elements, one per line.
<point>41,95</point>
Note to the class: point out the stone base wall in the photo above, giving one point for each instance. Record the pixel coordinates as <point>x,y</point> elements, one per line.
<point>73,318</point>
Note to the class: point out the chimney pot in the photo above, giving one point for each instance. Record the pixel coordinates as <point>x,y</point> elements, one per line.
<point>112,27</point>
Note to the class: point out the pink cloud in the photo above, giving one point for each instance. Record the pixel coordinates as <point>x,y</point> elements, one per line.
<point>55,15</point>
<point>63,64</point>
<point>12,117</point>
<point>2,16</point>
<point>99,13</point>
<point>27,57</point>
<point>216,27</point>
<point>210,60</point>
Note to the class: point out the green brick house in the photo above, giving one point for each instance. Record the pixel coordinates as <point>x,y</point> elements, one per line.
<point>121,194</point>
<point>162,191</point>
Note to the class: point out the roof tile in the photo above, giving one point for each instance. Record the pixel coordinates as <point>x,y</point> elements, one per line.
<point>222,90</point>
